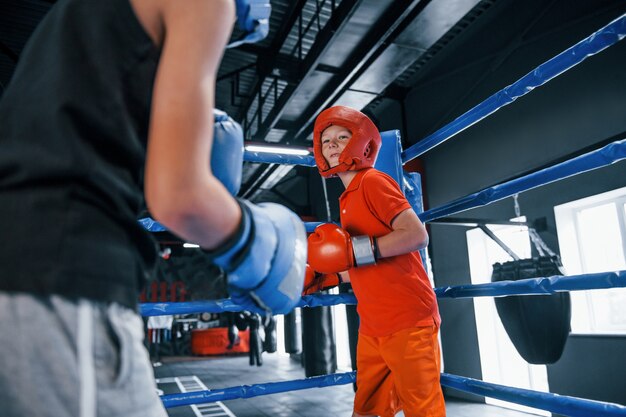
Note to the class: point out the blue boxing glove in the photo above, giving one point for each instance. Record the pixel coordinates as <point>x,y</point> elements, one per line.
<point>253,17</point>
<point>265,260</point>
<point>227,151</point>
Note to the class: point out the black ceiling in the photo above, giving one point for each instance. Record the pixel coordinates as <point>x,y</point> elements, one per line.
<point>361,53</point>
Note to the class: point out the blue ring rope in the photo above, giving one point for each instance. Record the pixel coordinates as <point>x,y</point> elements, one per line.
<point>596,42</point>
<point>248,391</point>
<point>218,306</point>
<point>543,285</point>
<point>534,286</point>
<point>562,404</point>
<point>152,225</point>
<point>604,156</point>
<point>599,158</point>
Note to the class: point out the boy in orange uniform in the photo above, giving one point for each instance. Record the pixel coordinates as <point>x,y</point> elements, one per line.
<point>398,357</point>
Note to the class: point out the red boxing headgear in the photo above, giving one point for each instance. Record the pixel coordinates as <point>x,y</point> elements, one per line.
<point>362,149</point>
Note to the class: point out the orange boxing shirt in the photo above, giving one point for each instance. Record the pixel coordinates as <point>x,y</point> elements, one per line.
<point>394,294</point>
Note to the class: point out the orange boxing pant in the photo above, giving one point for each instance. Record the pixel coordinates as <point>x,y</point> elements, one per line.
<point>399,372</point>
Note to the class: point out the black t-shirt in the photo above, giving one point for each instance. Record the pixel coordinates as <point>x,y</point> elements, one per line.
<point>73,132</point>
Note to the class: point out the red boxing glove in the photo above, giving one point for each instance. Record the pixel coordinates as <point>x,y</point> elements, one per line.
<point>331,249</point>
<point>314,281</point>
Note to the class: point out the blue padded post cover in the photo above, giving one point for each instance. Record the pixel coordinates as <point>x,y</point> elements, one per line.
<point>389,158</point>
<point>412,188</point>
<point>389,161</point>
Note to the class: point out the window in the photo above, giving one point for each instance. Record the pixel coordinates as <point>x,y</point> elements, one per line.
<point>592,238</point>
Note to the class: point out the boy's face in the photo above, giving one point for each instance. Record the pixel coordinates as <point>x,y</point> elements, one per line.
<point>334,140</point>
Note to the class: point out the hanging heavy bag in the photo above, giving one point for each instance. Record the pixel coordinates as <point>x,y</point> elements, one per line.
<point>256,343</point>
<point>318,342</point>
<point>538,325</point>
<point>293,332</point>
<point>270,342</point>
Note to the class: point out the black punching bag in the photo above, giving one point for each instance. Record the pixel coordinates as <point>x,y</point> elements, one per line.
<point>538,325</point>
<point>270,342</point>
<point>256,343</point>
<point>293,332</point>
<point>318,342</point>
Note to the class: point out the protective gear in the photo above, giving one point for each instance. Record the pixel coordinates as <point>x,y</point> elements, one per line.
<point>331,249</point>
<point>227,151</point>
<point>253,18</point>
<point>264,260</point>
<point>362,149</point>
<point>315,282</point>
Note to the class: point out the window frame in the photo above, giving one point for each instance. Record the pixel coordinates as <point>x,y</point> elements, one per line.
<point>568,228</point>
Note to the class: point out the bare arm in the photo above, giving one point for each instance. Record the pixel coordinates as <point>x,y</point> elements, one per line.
<point>181,191</point>
<point>408,235</point>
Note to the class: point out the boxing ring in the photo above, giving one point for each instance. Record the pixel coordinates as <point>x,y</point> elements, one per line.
<point>609,154</point>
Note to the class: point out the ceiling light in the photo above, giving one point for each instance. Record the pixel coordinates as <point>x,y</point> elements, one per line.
<point>275,149</point>
<point>190,245</point>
